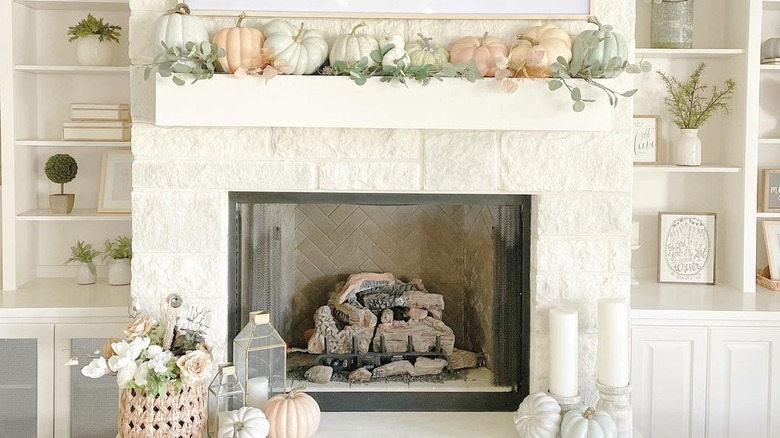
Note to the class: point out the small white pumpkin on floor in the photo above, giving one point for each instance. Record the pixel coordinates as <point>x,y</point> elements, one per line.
<point>539,416</point>
<point>246,422</point>
<point>588,423</point>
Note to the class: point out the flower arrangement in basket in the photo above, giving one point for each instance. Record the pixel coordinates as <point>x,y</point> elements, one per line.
<point>161,368</point>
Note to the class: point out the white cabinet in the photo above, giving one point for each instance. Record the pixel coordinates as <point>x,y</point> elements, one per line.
<point>668,368</point>
<point>744,383</point>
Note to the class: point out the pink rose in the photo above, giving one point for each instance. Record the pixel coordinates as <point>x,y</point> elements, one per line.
<point>194,366</point>
<point>142,326</point>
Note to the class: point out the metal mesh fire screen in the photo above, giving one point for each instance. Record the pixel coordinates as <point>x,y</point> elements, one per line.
<point>290,250</point>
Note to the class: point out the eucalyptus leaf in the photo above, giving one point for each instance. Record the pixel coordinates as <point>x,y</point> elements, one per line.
<point>578,106</point>
<point>376,56</point>
<point>177,80</point>
<point>554,85</point>
<point>576,94</point>
<point>629,93</point>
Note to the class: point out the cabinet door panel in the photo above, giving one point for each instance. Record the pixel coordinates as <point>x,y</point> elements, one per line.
<point>668,374</point>
<point>744,385</point>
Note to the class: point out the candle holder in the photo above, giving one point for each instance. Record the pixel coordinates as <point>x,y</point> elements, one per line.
<point>616,402</point>
<point>567,403</point>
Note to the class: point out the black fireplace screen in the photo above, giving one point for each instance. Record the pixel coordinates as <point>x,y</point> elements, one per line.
<point>433,288</point>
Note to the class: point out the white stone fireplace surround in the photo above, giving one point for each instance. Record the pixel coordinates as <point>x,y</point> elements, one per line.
<point>581,182</point>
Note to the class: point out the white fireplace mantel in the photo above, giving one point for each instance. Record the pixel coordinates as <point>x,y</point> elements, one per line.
<point>337,102</point>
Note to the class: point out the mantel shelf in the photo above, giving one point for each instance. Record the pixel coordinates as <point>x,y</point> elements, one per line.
<point>337,102</point>
<point>78,215</point>
<point>672,168</point>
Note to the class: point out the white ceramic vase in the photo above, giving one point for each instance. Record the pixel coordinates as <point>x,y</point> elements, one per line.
<point>118,272</point>
<point>688,148</point>
<point>85,275</point>
<point>90,51</point>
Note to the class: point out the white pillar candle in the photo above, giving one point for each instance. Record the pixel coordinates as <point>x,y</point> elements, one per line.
<point>613,343</point>
<point>635,233</point>
<point>257,392</point>
<point>564,353</point>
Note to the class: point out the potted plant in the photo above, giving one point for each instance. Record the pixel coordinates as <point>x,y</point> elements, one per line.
<point>691,108</point>
<point>91,33</point>
<point>84,253</point>
<point>61,169</point>
<point>119,252</point>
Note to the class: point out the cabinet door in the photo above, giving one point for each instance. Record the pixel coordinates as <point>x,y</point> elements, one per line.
<point>26,376</point>
<point>84,407</point>
<point>669,377</point>
<point>744,383</point>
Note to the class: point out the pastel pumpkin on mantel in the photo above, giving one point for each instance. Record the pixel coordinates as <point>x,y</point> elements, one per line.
<point>178,28</point>
<point>242,46</point>
<point>303,50</point>
<point>549,40</point>
<point>482,51</point>
<point>350,48</point>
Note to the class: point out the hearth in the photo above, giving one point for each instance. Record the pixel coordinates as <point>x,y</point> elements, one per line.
<point>450,275</point>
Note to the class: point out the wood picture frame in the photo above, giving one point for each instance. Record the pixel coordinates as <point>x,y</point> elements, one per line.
<point>420,9</point>
<point>772,243</point>
<point>116,182</point>
<point>687,247</point>
<point>770,193</point>
<point>647,144</point>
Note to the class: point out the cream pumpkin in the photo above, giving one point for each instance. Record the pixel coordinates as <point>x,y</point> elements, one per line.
<point>539,416</point>
<point>483,51</point>
<point>292,415</point>
<point>246,422</point>
<point>350,48</point>
<point>242,46</point>
<point>549,40</point>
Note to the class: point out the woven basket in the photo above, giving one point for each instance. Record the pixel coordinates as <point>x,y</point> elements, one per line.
<point>763,280</point>
<point>181,415</point>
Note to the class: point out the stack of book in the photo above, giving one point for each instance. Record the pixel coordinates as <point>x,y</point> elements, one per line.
<point>770,61</point>
<point>97,122</point>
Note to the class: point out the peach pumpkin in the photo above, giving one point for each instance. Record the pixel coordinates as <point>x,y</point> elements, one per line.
<point>242,47</point>
<point>292,415</point>
<point>484,53</point>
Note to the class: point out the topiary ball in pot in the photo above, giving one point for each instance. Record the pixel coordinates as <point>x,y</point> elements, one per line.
<point>61,169</point>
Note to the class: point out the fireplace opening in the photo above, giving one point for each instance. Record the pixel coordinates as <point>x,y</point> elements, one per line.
<point>402,302</point>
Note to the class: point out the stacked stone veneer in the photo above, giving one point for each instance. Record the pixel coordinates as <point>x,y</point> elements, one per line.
<point>582,211</point>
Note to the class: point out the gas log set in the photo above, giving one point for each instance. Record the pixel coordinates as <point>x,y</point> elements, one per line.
<point>375,326</point>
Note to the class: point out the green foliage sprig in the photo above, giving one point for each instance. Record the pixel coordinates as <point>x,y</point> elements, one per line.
<point>687,102</point>
<point>61,169</point>
<point>360,72</point>
<point>93,26</point>
<point>83,253</point>
<point>198,61</point>
<point>119,248</point>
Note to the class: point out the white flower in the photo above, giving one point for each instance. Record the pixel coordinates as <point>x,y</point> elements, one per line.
<point>96,369</point>
<point>138,345</point>
<point>153,351</point>
<point>158,363</point>
<point>117,362</point>
<point>141,373</point>
<point>126,374</point>
<point>502,62</point>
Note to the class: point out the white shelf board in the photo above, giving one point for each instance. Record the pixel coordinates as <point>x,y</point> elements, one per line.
<point>672,168</point>
<point>767,215</point>
<point>63,297</point>
<point>71,5</point>
<point>770,67</point>
<point>688,53</point>
<point>78,215</point>
<point>72,69</point>
<point>73,144</point>
<point>769,140</point>
<point>650,299</point>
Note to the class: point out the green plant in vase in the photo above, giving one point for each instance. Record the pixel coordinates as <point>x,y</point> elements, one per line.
<point>85,254</point>
<point>119,252</point>
<point>692,103</point>
<point>92,35</point>
<point>61,169</point>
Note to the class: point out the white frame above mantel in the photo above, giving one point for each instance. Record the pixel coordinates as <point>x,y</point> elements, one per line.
<point>337,102</point>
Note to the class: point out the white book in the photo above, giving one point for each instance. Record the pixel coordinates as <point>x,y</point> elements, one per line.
<point>97,124</point>
<point>93,133</point>
<point>99,111</point>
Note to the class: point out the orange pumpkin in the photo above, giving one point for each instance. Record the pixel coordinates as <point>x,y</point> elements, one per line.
<point>292,415</point>
<point>484,53</point>
<point>242,47</point>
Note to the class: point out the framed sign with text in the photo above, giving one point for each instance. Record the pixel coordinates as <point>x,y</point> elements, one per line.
<point>647,148</point>
<point>444,9</point>
<point>771,194</point>
<point>686,248</point>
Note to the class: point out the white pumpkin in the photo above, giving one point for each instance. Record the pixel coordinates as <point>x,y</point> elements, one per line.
<point>303,50</point>
<point>292,415</point>
<point>588,423</point>
<point>770,49</point>
<point>392,38</point>
<point>246,422</point>
<point>539,416</point>
<point>548,39</point>
<point>396,57</point>
<point>350,48</point>
<point>425,52</point>
<point>179,27</point>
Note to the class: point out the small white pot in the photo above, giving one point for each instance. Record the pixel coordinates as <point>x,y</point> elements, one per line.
<point>84,275</point>
<point>688,148</point>
<point>118,272</point>
<point>90,51</point>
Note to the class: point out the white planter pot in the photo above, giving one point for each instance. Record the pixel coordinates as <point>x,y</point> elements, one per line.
<point>118,272</point>
<point>90,51</point>
<point>688,148</point>
<point>84,275</point>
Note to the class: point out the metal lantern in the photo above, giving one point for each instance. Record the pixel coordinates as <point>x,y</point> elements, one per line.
<point>225,394</point>
<point>260,355</point>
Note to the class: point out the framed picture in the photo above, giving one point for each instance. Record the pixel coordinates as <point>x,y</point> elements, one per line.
<point>116,182</point>
<point>686,248</point>
<point>443,9</point>
<point>770,196</point>
<point>772,242</point>
<point>647,148</point>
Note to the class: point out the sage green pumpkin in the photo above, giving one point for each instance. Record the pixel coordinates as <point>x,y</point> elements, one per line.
<point>424,52</point>
<point>588,423</point>
<point>600,50</point>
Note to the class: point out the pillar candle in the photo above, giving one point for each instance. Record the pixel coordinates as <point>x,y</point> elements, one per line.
<point>635,233</point>
<point>564,353</point>
<point>613,343</point>
<point>257,392</point>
